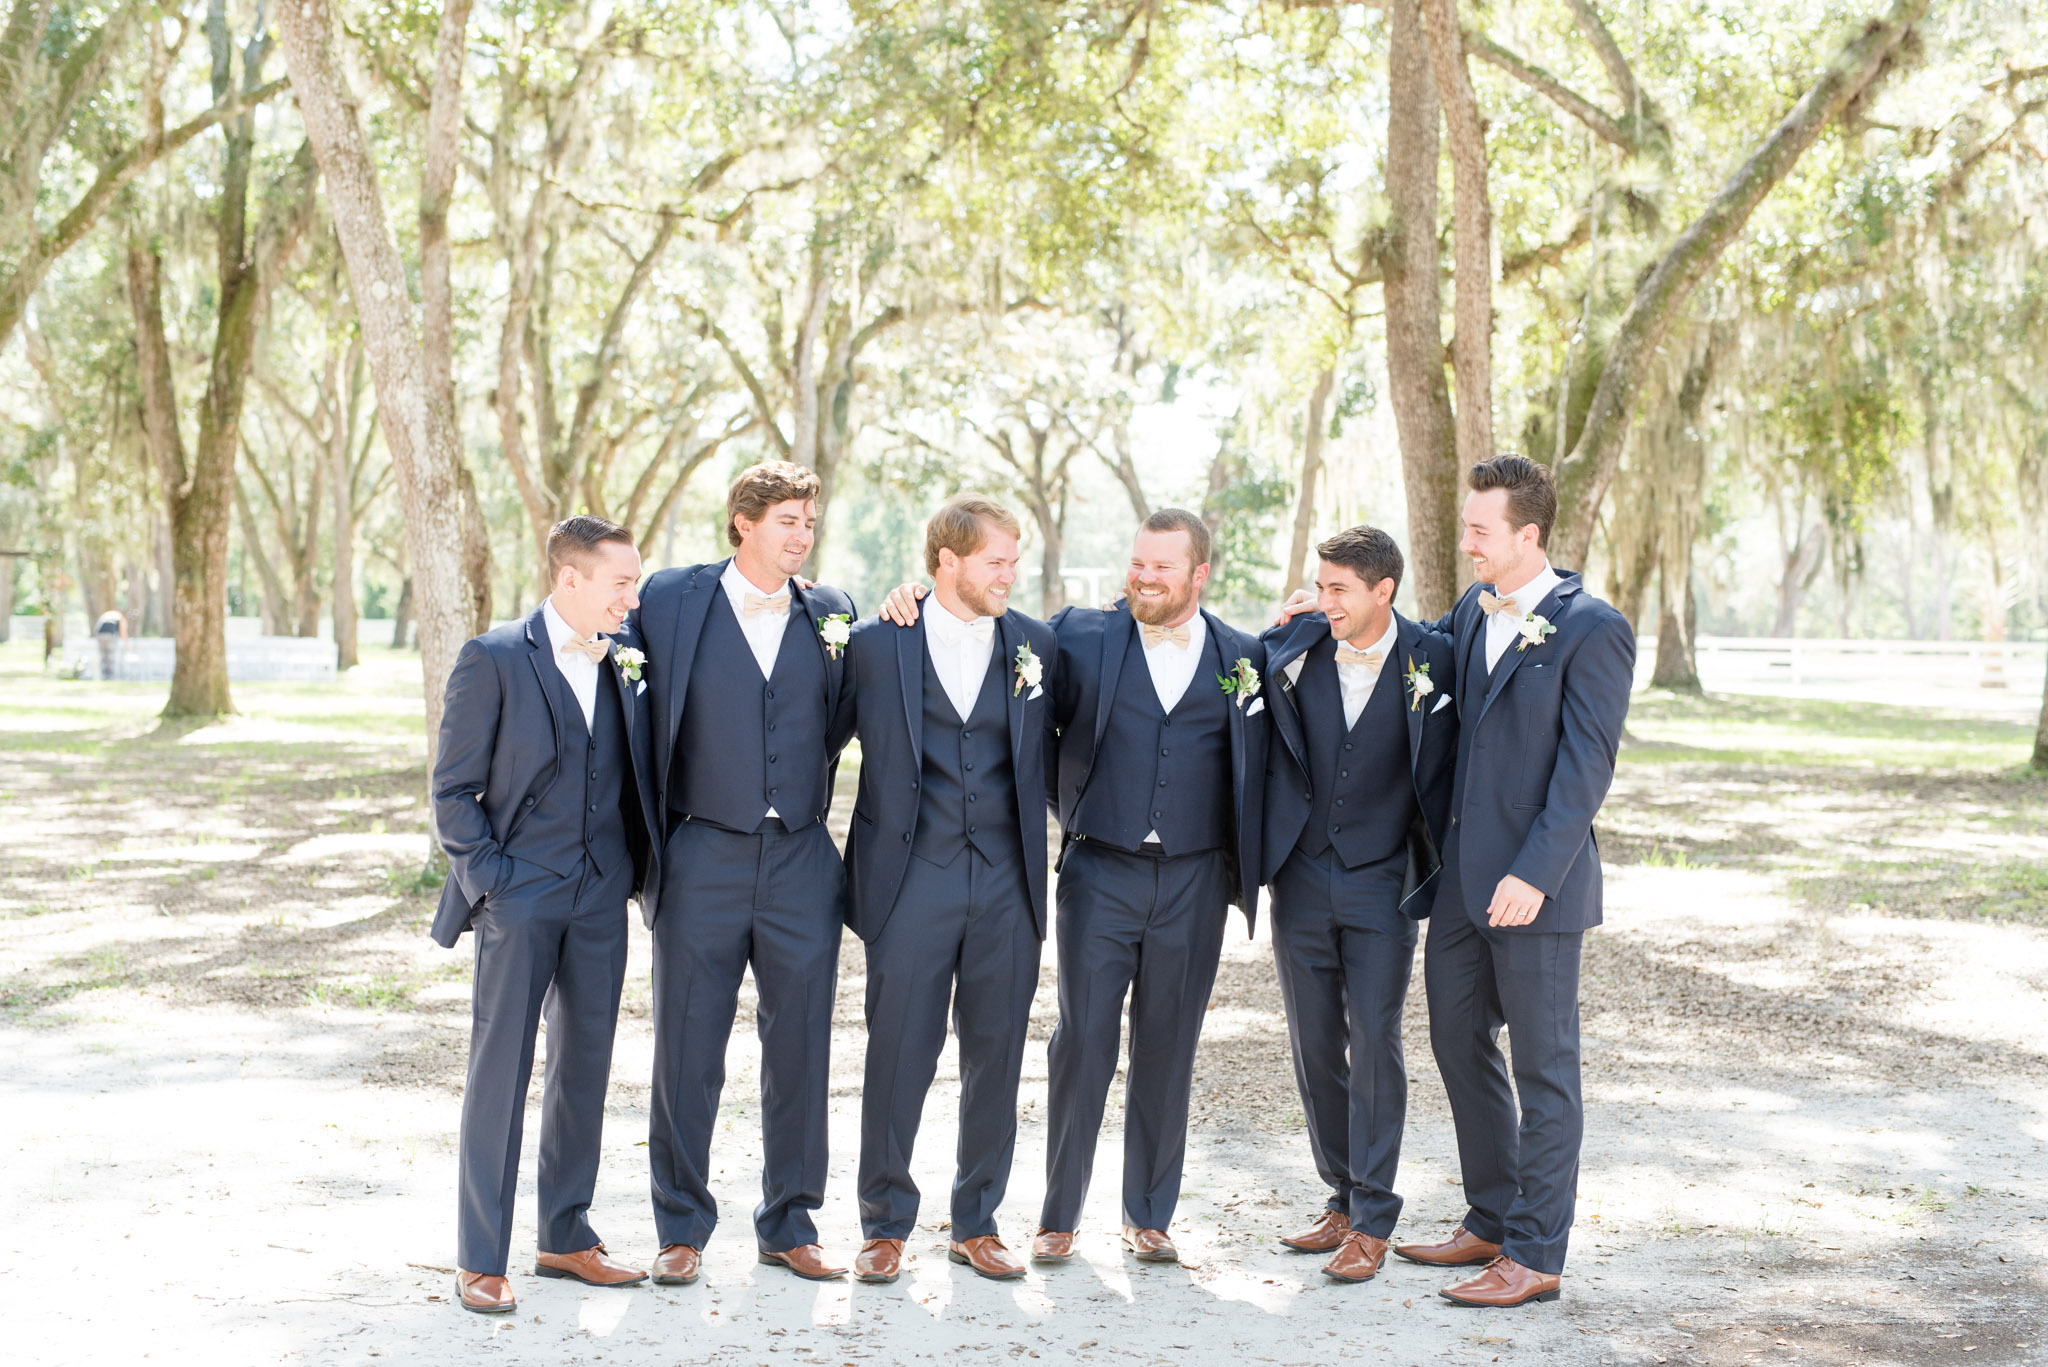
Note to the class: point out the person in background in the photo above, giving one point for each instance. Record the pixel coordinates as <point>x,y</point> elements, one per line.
<point>108,634</point>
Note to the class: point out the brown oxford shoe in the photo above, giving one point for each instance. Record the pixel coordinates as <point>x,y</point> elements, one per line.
<point>807,1261</point>
<point>483,1294</point>
<point>1462,1249</point>
<point>677,1266</point>
<point>880,1260</point>
<point>1052,1246</point>
<point>1358,1258</point>
<point>590,1267</point>
<point>1150,1245</point>
<point>986,1255</point>
<point>1322,1236</point>
<point>1504,1282</point>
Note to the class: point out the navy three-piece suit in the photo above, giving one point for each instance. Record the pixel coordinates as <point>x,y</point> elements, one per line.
<point>548,824</point>
<point>946,875</point>
<point>1355,816</point>
<point>1137,917</point>
<point>1537,740</point>
<point>741,888</point>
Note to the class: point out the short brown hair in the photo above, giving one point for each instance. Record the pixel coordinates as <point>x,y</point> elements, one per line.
<point>1532,494</point>
<point>573,540</point>
<point>961,526</point>
<point>761,487</point>
<point>1181,520</point>
<point>1367,552</point>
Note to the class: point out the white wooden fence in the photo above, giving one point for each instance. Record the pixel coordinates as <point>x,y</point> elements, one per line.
<point>251,659</point>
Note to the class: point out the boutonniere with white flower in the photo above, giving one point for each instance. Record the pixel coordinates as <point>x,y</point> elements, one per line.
<point>1241,683</point>
<point>1419,686</point>
<point>1533,629</point>
<point>1030,669</point>
<point>835,631</point>
<point>629,661</point>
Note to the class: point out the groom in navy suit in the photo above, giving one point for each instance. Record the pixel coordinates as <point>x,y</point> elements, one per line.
<point>946,875</point>
<point>1357,806</point>
<point>747,668</point>
<point>542,800</point>
<point>1544,670</point>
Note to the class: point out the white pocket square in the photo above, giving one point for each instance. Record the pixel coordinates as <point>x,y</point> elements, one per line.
<point>641,689</point>
<point>1441,703</point>
<point>1036,689</point>
<point>1258,706</point>
<point>1292,670</point>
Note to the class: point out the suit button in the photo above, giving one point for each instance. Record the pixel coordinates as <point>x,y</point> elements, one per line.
<point>1454,821</point>
<point>970,797</point>
<point>772,792</point>
<point>913,786</point>
<point>529,802</point>
<point>906,837</point>
<point>1159,816</point>
<point>1308,795</point>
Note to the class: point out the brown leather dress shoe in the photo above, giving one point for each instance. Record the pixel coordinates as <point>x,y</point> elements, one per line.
<point>1462,1249</point>
<point>1322,1236</point>
<point>1504,1282</point>
<point>1052,1246</point>
<point>590,1267</point>
<point>807,1261</point>
<point>986,1255</point>
<point>880,1260</point>
<point>1150,1245</point>
<point>1358,1257</point>
<point>483,1294</point>
<point>677,1266</point>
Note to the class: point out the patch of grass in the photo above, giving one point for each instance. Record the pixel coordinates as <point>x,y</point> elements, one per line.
<point>1955,889</point>
<point>1738,729</point>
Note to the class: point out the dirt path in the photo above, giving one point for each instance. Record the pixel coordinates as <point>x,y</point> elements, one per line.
<point>1816,1130</point>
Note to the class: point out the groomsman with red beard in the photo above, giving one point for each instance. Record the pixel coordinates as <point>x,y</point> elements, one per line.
<point>746,668</point>
<point>1358,804</point>
<point>946,875</point>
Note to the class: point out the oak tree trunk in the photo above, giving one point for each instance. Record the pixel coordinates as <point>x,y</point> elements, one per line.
<point>1472,244</point>
<point>1311,471</point>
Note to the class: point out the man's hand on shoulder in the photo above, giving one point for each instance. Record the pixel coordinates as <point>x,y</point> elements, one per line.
<point>900,606</point>
<point>1298,602</point>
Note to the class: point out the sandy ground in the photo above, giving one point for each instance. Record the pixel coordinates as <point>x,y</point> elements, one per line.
<point>230,1066</point>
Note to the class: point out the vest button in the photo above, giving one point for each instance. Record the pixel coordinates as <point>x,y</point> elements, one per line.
<point>1164,753</point>
<point>970,768</point>
<point>593,806</point>
<point>771,695</point>
<point>1340,802</point>
<point>593,774</point>
<point>1162,783</point>
<point>1336,830</point>
<point>771,759</point>
<point>1343,773</point>
<point>1347,744</point>
<point>771,727</point>
<point>970,797</point>
<point>967,735</point>
<point>972,829</point>
<point>1167,722</point>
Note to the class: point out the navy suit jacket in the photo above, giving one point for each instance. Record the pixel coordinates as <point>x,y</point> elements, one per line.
<point>673,605</point>
<point>1432,747</point>
<point>882,703</point>
<point>1092,646</point>
<point>499,753</point>
<point>1536,755</point>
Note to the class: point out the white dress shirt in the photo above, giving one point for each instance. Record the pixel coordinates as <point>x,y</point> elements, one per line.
<point>960,652</point>
<point>764,630</point>
<point>1503,627</point>
<point>1173,668</point>
<point>579,669</point>
<point>1356,683</point>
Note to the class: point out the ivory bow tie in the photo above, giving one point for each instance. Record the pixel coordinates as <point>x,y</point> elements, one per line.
<point>1347,658</point>
<point>1172,635</point>
<point>595,648</point>
<point>1489,604</point>
<point>758,603</point>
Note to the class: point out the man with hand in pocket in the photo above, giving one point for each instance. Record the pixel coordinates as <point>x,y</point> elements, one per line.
<point>543,803</point>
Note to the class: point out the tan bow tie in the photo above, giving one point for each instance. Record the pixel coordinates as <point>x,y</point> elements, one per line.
<point>1347,658</point>
<point>595,648</point>
<point>758,603</point>
<point>1490,604</point>
<point>1171,635</point>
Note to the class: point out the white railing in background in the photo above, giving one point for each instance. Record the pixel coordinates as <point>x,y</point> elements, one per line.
<point>251,659</point>
<point>1730,661</point>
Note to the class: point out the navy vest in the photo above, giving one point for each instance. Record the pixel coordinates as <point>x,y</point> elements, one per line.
<point>747,744</point>
<point>583,812</point>
<point>1159,772</point>
<point>1364,793</point>
<point>969,793</point>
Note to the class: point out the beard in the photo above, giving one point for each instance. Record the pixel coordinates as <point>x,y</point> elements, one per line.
<point>1158,611</point>
<point>980,601</point>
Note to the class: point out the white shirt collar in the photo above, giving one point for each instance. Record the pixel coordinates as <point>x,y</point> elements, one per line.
<point>738,586</point>
<point>1380,647</point>
<point>1538,588</point>
<point>560,633</point>
<point>949,630</point>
